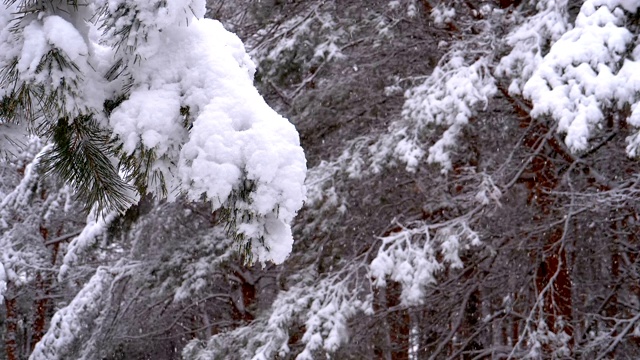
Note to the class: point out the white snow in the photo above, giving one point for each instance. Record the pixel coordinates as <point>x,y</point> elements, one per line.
<point>95,227</point>
<point>442,15</point>
<point>528,40</point>
<point>34,48</point>
<point>579,77</point>
<point>234,133</point>
<point>3,282</point>
<point>409,257</point>
<point>447,97</point>
<point>410,263</point>
<point>64,36</point>
<point>156,126</point>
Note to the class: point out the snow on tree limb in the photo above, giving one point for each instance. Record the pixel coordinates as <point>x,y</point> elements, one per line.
<point>70,325</point>
<point>461,83</point>
<point>95,227</point>
<point>323,307</point>
<point>528,40</point>
<point>575,73</point>
<point>413,256</point>
<point>581,77</point>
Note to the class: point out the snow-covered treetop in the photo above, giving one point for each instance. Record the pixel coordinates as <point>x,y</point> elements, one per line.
<point>147,96</point>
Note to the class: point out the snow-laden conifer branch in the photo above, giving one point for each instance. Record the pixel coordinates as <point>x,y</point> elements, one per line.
<point>73,324</point>
<point>139,97</point>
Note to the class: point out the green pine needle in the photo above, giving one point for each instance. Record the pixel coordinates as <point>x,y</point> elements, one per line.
<point>80,155</point>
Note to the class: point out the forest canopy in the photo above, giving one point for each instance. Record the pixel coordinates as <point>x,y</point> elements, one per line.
<point>472,187</point>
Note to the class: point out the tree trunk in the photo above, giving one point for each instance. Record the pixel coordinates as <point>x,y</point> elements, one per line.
<point>472,315</point>
<point>399,323</point>
<point>43,287</point>
<point>394,328</point>
<point>11,334</point>
<point>41,304</point>
<point>553,274</point>
<point>553,271</point>
<point>381,347</point>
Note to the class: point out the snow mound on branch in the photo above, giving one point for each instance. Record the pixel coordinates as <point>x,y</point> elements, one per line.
<point>63,35</point>
<point>160,14</point>
<point>201,74</point>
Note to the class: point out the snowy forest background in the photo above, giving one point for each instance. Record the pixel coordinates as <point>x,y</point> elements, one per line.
<point>472,190</point>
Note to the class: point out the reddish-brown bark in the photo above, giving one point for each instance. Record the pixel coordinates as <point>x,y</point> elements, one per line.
<point>394,326</point>
<point>553,271</point>
<point>11,333</point>
<point>43,286</point>
<point>506,3</point>
<point>399,323</point>
<point>553,274</point>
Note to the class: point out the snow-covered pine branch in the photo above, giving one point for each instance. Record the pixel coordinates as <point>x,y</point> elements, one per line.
<point>140,96</point>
